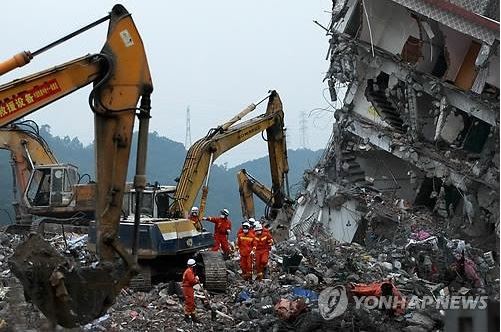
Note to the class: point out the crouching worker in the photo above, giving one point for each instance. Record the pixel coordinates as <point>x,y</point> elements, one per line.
<point>262,246</point>
<point>190,279</point>
<point>245,243</point>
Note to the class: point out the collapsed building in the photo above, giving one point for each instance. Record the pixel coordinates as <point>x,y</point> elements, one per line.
<point>419,125</point>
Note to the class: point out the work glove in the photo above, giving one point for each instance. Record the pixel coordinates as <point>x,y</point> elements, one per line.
<point>197,279</point>
<point>228,231</point>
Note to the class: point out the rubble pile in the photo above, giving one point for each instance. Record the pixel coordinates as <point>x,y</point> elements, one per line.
<point>15,313</point>
<point>416,263</point>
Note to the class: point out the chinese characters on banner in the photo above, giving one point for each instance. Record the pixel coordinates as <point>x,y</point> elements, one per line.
<point>27,98</point>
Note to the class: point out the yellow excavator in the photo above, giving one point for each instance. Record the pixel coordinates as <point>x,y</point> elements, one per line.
<point>196,168</point>
<point>66,293</point>
<point>278,206</point>
<point>167,238</point>
<point>33,165</point>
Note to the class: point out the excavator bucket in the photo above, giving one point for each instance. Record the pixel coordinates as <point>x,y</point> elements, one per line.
<point>65,293</point>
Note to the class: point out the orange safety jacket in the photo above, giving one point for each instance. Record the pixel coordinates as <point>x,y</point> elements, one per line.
<point>222,225</point>
<point>189,278</point>
<point>263,241</point>
<point>245,242</point>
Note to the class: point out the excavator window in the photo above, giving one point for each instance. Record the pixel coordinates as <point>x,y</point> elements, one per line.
<point>146,207</point>
<point>63,180</point>
<point>162,201</point>
<point>39,188</point>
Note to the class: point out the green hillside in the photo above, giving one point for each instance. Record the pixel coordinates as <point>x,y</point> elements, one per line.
<point>165,159</point>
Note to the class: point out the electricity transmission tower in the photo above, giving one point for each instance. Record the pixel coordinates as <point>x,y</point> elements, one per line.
<point>187,138</point>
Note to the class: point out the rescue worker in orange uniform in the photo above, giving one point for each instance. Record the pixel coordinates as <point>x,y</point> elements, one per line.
<point>262,246</point>
<point>245,244</point>
<point>194,217</point>
<point>252,223</point>
<point>222,228</point>
<point>190,279</point>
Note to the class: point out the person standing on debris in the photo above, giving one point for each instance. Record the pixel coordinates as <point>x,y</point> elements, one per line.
<point>194,217</point>
<point>190,279</point>
<point>262,246</point>
<point>222,228</point>
<point>245,244</point>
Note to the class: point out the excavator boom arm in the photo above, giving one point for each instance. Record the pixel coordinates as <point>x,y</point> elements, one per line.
<point>115,105</point>
<point>279,166</point>
<point>203,152</point>
<point>23,96</point>
<point>248,186</point>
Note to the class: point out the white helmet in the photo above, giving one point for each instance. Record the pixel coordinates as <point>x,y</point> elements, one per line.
<point>258,227</point>
<point>225,212</point>
<point>246,225</point>
<point>194,209</point>
<point>191,262</point>
<point>252,220</point>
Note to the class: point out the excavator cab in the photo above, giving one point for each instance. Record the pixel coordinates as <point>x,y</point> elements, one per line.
<point>51,186</point>
<point>155,202</point>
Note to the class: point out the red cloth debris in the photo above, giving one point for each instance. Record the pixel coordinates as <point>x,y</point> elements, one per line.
<point>379,289</point>
<point>287,309</point>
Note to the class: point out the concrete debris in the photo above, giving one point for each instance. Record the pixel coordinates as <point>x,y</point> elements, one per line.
<point>419,123</point>
<point>288,298</point>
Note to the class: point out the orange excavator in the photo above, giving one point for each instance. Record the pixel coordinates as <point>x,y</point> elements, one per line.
<point>33,165</point>
<point>66,293</point>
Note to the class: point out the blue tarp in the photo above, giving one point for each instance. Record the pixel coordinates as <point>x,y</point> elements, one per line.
<point>305,293</point>
<point>243,296</point>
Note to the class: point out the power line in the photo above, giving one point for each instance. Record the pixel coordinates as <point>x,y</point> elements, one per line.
<point>187,138</point>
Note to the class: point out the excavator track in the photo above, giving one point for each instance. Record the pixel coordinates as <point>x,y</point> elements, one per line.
<point>142,281</point>
<point>214,269</point>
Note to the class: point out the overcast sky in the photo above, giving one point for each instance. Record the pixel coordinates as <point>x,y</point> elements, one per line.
<point>214,56</point>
